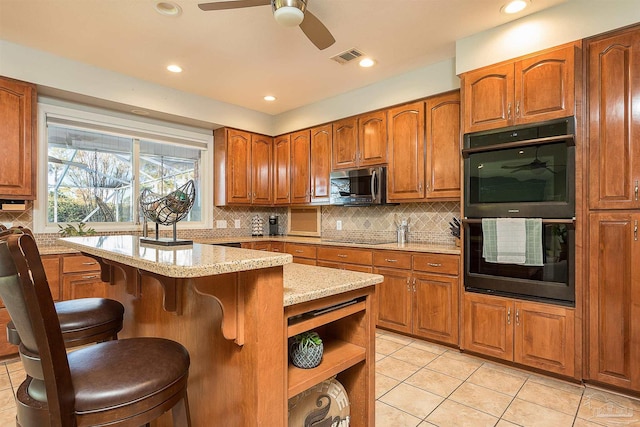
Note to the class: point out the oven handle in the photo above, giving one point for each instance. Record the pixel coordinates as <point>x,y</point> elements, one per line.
<point>570,139</point>
<point>544,220</point>
<point>374,181</point>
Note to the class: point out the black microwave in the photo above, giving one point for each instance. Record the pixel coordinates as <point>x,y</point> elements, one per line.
<point>359,187</point>
<point>521,171</point>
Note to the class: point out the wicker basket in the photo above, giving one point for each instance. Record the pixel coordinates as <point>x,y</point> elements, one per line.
<point>306,358</point>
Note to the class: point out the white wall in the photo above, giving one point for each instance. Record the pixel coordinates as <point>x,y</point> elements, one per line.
<point>430,80</point>
<point>567,22</point>
<point>45,69</point>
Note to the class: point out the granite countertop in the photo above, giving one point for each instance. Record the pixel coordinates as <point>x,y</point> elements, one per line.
<point>195,260</point>
<point>304,283</point>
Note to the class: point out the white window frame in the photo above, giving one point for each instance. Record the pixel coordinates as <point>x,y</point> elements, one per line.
<point>134,125</point>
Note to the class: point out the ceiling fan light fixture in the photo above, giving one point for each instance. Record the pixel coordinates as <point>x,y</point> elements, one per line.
<point>288,16</point>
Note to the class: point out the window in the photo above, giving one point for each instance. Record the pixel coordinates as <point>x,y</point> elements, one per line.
<point>98,164</point>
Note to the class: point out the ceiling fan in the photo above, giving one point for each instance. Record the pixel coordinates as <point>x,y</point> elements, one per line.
<point>289,13</point>
<point>536,166</point>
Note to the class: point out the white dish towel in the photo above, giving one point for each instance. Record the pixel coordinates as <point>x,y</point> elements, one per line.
<point>511,239</point>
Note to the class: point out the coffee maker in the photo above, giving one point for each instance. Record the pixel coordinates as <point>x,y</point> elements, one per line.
<point>273,225</point>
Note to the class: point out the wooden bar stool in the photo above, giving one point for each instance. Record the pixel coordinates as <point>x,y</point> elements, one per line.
<point>83,320</point>
<point>121,383</point>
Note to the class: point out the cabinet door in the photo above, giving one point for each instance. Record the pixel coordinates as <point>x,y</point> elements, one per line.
<point>544,337</point>
<point>405,180</point>
<point>345,144</point>
<point>545,86</point>
<point>300,169</point>
<point>614,128</point>
<point>614,299</point>
<point>435,307</point>
<point>443,147</point>
<point>488,98</point>
<point>83,285</point>
<point>394,299</point>
<point>488,325</point>
<point>18,136</point>
<point>261,170</point>
<point>282,170</point>
<point>51,264</point>
<point>372,138</point>
<point>238,167</point>
<point>321,139</point>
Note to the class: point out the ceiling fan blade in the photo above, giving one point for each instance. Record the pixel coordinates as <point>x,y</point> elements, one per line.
<point>316,31</point>
<point>222,5</point>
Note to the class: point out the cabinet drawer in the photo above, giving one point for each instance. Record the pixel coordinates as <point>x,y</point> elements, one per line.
<point>392,259</point>
<point>300,251</point>
<point>349,255</point>
<point>437,263</point>
<point>342,266</point>
<point>78,263</point>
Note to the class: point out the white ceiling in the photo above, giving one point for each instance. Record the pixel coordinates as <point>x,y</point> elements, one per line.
<point>238,56</point>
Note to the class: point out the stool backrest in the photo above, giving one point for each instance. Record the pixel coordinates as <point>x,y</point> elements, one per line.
<point>26,295</point>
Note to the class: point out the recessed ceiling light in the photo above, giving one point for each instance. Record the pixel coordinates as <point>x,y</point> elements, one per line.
<point>514,6</point>
<point>270,98</point>
<point>168,8</point>
<point>174,68</point>
<point>367,62</point>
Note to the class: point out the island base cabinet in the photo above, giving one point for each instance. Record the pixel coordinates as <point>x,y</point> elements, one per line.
<point>533,334</point>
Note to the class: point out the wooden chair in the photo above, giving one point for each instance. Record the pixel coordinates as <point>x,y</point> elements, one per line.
<point>83,320</point>
<point>125,383</point>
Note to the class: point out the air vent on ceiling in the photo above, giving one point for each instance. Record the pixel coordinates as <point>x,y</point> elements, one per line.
<point>347,56</point>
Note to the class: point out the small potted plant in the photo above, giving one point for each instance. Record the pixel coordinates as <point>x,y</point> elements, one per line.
<point>70,230</point>
<point>305,350</point>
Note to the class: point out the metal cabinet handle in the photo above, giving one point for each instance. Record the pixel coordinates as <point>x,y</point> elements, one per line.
<point>89,263</point>
<point>635,230</point>
<point>433,264</point>
<point>390,260</point>
<point>636,190</point>
<point>518,109</point>
<point>408,286</point>
<point>518,317</point>
<point>90,277</point>
<point>298,251</point>
<point>414,284</point>
<point>509,111</point>
<point>419,186</point>
<point>342,256</point>
<point>509,316</point>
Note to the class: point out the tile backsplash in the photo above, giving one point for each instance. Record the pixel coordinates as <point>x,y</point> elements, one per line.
<point>428,222</point>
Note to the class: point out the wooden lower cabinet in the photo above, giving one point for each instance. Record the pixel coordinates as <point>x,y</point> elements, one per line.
<point>420,297</point>
<point>533,334</point>
<point>81,278</point>
<point>302,254</point>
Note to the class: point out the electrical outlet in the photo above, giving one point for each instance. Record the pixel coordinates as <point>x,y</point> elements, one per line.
<point>338,225</point>
<point>236,223</point>
<point>221,223</point>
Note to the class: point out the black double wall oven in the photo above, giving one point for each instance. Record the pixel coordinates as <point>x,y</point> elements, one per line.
<point>522,172</point>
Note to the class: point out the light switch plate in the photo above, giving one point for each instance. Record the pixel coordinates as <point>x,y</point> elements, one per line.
<point>236,223</point>
<point>221,223</point>
<point>338,225</point>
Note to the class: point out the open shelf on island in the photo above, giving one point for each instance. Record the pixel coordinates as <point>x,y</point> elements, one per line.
<point>308,322</point>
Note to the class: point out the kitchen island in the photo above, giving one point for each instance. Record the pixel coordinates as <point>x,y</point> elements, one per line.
<point>234,310</point>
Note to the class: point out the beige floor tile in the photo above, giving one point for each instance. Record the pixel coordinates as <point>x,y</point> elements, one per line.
<point>17,377</point>
<point>550,397</point>
<point>507,369</point>
<point>388,416</point>
<point>556,383</point>
<point>4,379</point>
<point>426,424</point>
<point>482,399</point>
<point>608,409</point>
<point>396,368</point>
<point>380,356</point>
<point>434,382</point>
<point>429,346</point>
<point>7,401</point>
<point>400,339</point>
<point>579,422</point>
<point>452,367</point>
<point>412,400</point>
<point>452,414</point>
<point>14,365</point>
<point>8,417</point>
<point>463,357</point>
<point>497,380</point>
<point>385,346</point>
<point>531,415</point>
<point>384,384</point>
<point>505,423</point>
<point>414,356</point>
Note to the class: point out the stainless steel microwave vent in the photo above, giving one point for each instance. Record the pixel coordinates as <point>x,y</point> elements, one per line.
<point>347,56</point>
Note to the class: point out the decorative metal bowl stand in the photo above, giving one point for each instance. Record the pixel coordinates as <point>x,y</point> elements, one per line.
<point>167,210</point>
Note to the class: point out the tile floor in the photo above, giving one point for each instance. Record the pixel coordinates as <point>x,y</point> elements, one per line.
<point>420,384</point>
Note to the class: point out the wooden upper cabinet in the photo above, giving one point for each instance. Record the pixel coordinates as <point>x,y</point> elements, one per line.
<point>531,89</point>
<point>345,144</point>
<point>300,167</point>
<point>321,141</point>
<point>406,139</point>
<point>614,299</point>
<point>372,138</point>
<point>18,136</point>
<point>443,146</point>
<point>261,170</point>
<point>282,170</point>
<point>232,154</point>
<point>614,131</point>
